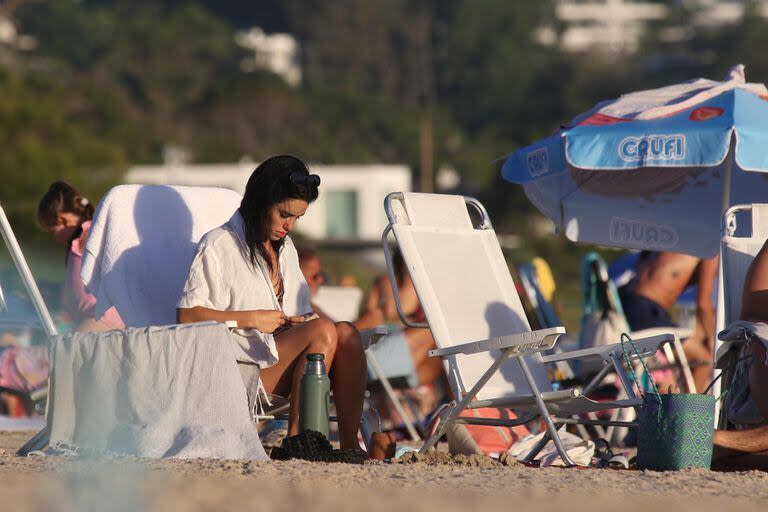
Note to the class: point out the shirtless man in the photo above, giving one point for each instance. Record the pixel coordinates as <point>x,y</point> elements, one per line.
<point>661,279</point>
<point>749,448</point>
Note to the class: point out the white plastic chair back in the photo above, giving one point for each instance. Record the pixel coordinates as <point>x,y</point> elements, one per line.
<point>465,289</point>
<point>341,303</point>
<point>741,245</point>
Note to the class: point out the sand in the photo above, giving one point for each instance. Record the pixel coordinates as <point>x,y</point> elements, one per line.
<point>126,484</point>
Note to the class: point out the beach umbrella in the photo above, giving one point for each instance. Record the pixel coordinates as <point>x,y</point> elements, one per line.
<point>653,169</point>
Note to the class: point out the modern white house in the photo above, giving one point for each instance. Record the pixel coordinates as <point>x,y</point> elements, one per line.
<point>349,210</point>
<point>606,25</point>
<point>715,13</point>
<point>617,26</point>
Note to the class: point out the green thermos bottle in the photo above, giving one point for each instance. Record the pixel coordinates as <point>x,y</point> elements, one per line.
<point>315,398</point>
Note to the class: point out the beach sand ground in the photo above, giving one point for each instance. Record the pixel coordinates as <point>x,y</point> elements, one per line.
<point>128,484</point>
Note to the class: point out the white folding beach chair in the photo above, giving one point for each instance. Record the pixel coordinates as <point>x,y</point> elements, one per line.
<point>144,285</point>
<point>492,357</point>
<point>341,303</point>
<point>745,230</point>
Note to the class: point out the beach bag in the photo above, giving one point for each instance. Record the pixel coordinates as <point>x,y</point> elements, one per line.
<point>675,431</point>
<point>484,439</point>
<point>603,320</point>
<point>603,328</point>
<point>598,329</point>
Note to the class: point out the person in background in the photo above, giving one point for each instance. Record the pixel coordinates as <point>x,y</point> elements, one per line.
<point>313,274</point>
<point>348,281</point>
<point>379,309</point>
<point>660,280</point>
<point>66,215</point>
<point>404,352</point>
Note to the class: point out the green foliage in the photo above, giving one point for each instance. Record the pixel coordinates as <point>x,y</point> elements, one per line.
<point>111,82</point>
<point>41,141</point>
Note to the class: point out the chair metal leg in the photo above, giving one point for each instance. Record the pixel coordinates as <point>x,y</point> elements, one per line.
<point>462,404</point>
<point>453,412</point>
<point>374,365</point>
<point>622,376</point>
<point>545,413</point>
<point>38,442</point>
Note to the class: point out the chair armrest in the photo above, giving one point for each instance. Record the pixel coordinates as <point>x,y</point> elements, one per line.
<point>520,344</point>
<point>646,346</point>
<point>680,333</point>
<point>371,336</point>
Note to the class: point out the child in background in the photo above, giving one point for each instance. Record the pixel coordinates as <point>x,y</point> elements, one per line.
<point>66,215</point>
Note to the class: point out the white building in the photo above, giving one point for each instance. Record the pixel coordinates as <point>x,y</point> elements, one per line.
<point>278,53</point>
<point>349,209</point>
<point>606,25</point>
<point>715,13</point>
<point>9,36</point>
<point>617,26</point>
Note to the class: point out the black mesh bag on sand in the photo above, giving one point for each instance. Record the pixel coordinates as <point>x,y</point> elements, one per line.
<point>313,446</point>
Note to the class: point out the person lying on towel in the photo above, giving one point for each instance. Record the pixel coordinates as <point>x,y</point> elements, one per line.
<point>247,270</point>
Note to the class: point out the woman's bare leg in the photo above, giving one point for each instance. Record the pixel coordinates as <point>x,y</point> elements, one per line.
<point>348,380</point>
<point>284,378</point>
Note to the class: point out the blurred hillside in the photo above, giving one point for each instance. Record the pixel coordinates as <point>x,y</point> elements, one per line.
<point>108,83</point>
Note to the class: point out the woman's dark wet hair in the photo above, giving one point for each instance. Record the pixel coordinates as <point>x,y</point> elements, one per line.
<point>275,180</point>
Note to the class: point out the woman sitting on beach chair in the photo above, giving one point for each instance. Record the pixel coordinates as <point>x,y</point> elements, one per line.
<point>247,270</point>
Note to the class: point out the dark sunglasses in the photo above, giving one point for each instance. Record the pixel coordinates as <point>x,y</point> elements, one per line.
<point>299,178</point>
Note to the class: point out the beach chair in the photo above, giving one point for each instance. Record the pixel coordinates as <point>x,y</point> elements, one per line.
<point>542,312</point>
<point>144,285</point>
<point>745,230</point>
<point>341,303</point>
<point>491,356</point>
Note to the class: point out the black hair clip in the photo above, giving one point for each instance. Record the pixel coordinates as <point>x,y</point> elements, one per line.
<point>298,177</point>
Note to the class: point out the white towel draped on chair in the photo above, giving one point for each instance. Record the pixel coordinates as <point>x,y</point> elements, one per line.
<point>141,244</point>
<point>170,391</point>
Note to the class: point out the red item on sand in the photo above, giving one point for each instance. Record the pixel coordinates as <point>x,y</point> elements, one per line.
<point>485,438</point>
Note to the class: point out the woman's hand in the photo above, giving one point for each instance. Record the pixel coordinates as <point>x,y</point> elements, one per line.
<point>300,319</point>
<point>266,320</point>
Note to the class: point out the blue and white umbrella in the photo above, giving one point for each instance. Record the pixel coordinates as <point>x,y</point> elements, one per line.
<point>653,169</point>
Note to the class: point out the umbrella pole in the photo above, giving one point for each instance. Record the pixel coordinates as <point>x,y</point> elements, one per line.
<point>720,311</point>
